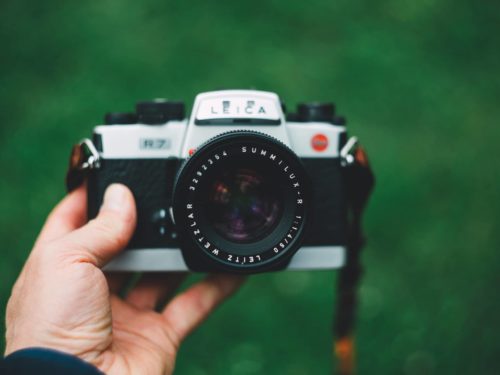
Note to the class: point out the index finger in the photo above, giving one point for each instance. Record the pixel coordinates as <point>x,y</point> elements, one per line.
<point>68,215</point>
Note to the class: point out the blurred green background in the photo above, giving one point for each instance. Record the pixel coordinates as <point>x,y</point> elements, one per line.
<point>419,82</point>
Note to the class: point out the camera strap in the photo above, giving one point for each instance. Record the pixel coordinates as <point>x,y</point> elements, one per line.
<point>359,183</point>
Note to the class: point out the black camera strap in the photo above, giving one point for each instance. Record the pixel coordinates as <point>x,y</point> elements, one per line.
<point>359,183</point>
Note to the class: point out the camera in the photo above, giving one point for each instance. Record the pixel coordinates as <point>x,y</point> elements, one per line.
<point>239,186</point>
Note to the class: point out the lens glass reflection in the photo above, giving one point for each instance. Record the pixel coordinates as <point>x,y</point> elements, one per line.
<point>244,205</point>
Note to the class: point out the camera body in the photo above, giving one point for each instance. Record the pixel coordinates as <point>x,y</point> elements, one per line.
<point>268,190</point>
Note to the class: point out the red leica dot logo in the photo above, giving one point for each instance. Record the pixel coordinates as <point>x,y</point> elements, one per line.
<point>319,142</point>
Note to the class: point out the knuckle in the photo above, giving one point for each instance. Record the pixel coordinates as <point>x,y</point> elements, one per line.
<point>111,230</point>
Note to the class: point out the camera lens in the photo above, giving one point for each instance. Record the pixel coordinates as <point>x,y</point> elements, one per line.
<point>241,203</point>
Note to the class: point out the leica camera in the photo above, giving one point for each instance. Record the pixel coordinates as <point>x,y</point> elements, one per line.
<point>236,186</point>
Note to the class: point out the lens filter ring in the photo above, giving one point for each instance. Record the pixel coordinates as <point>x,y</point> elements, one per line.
<point>242,201</point>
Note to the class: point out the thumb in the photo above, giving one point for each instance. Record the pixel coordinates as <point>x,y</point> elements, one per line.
<point>105,236</point>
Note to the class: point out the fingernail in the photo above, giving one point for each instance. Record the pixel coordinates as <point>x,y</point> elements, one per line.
<point>114,198</point>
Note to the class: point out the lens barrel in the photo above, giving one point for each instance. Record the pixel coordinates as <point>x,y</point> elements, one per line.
<point>241,203</point>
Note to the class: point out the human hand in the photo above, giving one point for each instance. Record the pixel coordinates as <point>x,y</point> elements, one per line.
<point>62,299</point>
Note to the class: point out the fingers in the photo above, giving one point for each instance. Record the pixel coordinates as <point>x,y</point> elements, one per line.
<point>105,236</point>
<point>68,215</point>
<point>189,309</point>
<point>154,288</point>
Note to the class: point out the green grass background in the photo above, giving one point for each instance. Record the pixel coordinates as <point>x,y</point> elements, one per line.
<point>419,82</point>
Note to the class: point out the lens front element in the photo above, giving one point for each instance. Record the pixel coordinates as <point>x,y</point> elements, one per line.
<point>241,201</point>
<point>244,205</point>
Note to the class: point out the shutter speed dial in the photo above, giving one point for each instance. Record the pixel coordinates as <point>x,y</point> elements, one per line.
<point>150,112</point>
<point>159,111</point>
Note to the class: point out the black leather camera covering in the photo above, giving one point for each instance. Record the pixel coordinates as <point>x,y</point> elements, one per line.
<point>151,181</point>
<point>328,221</point>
